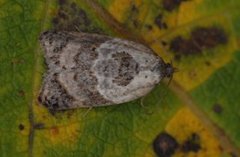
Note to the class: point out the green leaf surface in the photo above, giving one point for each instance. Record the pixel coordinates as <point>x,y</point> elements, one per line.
<point>201,101</point>
<point>222,104</point>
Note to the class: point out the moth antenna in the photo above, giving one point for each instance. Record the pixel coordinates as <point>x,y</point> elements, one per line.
<point>170,79</point>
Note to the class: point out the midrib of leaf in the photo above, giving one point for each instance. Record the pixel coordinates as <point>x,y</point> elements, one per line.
<point>36,76</point>
<point>112,22</point>
<point>224,140</point>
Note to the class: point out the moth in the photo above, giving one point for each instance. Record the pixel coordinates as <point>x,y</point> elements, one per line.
<point>90,70</point>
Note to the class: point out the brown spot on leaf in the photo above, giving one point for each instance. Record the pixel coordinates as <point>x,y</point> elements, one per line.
<point>170,5</point>
<point>74,6</point>
<point>192,144</point>
<point>54,131</point>
<point>21,93</point>
<point>201,38</point>
<point>135,23</point>
<point>134,8</point>
<point>61,2</point>
<point>62,14</point>
<point>164,43</point>
<point>15,61</point>
<point>133,16</point>
<point>149,27</point>
<point>160,23</point>
<point>233,154</point>
<point>83,18</point>
<point>164,145</point>
<point>217,108</point>
<point>192,74</point>
<point>208,63</point>
<point>208,37</point>
<point>70,17</point>
<point>21,127</point>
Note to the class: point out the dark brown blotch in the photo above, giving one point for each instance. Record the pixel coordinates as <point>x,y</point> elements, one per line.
<point>171,5</point>
<point>217,108</point>
<point>192,144</point>
<point>70,17</point>
<point>160,22</point>
<point>135,23</point>
<point>164,43</point>
<point>149,27</point>
<point>82,18</point>
<point>133,16</point>
<point>208,63</point>
<point>74,6</point>
<point>16,61</point>
<point>201,39</point>
<point>62,14</point>
<point>21,127</point>
<point>62,2</point>
<point>165,145</point>
<point>233,154</point>
<point>21,93</point>
<point>134,8</point>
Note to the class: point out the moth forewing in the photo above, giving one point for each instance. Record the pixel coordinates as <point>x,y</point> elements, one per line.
<point>89,70</point>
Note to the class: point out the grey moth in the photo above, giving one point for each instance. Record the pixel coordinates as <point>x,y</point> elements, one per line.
<point>90,70</point>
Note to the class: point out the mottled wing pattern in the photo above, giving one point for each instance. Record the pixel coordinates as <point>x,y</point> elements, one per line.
<point>87,70</point>
<point>69,81</point>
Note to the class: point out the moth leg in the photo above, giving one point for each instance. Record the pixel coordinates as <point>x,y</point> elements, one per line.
<point>145,107</point>
<point>141,101</point>
<point>88,110</point>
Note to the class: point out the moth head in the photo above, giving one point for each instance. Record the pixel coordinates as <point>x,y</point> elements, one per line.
<point>168,70</point>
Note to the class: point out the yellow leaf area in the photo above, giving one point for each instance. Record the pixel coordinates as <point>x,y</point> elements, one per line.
<point>51,130</point>
<point>183,125</point>
<point>57,136</point>
<point>186,13</point>
<point>195,70</point>
<point>61,130</point>
<point>22,134</point>
<point>58,130</point>
<point>181,21</point>
<point>140,17</point>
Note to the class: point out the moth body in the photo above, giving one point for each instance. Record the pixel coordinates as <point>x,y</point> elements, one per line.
<point>89,70</point>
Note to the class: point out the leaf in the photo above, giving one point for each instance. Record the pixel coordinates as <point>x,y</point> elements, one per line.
<point>199,109</point>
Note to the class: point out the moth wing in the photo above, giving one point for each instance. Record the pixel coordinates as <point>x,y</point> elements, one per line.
<point>86,70</point>
<point>69,82</point>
